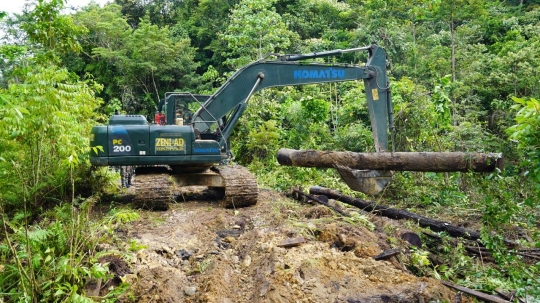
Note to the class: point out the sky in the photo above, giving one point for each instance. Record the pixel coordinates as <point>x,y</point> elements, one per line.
<point>16,6</point>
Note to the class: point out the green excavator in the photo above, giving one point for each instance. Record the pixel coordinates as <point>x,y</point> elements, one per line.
<point>193,146</point>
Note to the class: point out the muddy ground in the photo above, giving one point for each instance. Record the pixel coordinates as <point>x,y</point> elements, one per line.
<point>199,252</point>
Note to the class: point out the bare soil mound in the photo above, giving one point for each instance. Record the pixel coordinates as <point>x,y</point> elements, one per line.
<point>200,252</point>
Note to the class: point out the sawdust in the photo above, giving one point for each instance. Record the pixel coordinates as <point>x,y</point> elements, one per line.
<point>200,252</point>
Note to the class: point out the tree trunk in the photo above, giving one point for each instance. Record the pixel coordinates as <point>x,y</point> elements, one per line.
<point>399,161</point>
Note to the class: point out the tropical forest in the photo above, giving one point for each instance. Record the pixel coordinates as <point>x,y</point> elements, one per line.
<point>463,79</point>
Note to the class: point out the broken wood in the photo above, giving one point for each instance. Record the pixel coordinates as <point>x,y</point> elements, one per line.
<point>435,225</point>
<point>477,294</point>
<point>387,254</point>
<point>410,237</point>
<point>480,250</point>
<point>321,201</point>
<point>291,242</point>
<point>477,248</point>
<point>398,161</point>
<point>504,294</point>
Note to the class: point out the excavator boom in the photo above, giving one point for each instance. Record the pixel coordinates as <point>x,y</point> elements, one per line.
<point>287,71</point>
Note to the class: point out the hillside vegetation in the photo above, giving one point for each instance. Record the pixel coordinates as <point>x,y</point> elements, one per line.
<point>464,76</point>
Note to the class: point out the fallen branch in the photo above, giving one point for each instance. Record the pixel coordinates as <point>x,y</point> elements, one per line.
<point>435,225</point>
<point>321,202</point>
<point>477,294</point>
<point>485,251</point>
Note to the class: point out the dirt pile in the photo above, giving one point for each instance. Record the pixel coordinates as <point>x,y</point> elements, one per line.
<point>200,252</point>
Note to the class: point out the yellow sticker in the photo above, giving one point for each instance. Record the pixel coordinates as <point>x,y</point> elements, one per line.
<point>375,94</point>
<point>170,144</point>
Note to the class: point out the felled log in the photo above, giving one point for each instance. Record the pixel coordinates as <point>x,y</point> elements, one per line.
<point>435,225</point>
<point>398,161</point>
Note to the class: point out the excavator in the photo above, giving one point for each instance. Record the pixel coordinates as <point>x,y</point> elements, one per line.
<point>193,147</point>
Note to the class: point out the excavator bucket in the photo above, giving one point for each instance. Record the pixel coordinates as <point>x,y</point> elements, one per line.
<point>370,182</point>
<point>379,102</point>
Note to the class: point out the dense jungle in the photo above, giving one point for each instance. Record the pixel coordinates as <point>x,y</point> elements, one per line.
<point>464,77</point>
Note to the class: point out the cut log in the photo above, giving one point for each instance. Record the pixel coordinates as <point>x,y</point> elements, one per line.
<point>399,161</point>
<point>394,213</point>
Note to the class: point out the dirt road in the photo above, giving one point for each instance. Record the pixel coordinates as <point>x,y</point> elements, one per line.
<point>200,252</point>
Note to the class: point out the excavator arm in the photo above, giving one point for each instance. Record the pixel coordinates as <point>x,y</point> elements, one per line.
<point>288,70</point>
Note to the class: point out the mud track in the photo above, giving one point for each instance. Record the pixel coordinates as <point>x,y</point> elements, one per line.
<point>201,252</point>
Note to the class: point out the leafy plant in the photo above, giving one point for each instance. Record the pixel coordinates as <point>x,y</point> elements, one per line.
<point>49,262</point>
<point>526,132</point>
<point>122,216</point>
<point>134,246</point>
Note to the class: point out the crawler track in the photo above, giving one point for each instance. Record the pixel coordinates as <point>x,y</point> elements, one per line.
<point>153,188</point>
<point>240,186</point>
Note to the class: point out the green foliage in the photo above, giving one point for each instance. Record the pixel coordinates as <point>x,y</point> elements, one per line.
<point>311,18</point>
<point>502,211</point>
<point>45,117</point>
<point>416,118</point>
<point>314,110</point>
<point>454,67</point>
<point>122,216</point>
<point>526,132</point>
<point>356,137</point>
<point>148,61</point>
<point>10,57</point>
<point>56,33</point>
<point>255,29</point>
<point>44,127</point>
<point>49,262</point>
<point>265,141</point>
<point>419,260</point>
<point>134,246</point>
<point>441,98</point>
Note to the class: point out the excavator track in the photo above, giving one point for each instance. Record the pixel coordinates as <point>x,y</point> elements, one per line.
<point>151,188</point>
<point>155,187</point>
<point>240,186</point>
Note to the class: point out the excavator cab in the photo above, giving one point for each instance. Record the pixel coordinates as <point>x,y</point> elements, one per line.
<point>180,108</point>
